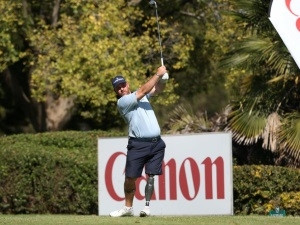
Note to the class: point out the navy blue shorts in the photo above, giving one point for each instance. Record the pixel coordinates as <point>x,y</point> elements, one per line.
<point>148,154</point>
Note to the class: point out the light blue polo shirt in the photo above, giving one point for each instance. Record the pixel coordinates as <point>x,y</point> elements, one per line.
<point>139,115</point>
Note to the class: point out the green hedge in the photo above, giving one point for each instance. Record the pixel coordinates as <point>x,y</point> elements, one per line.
<point>49,173</point>
<point>57,173</point>
<point>258,189</point>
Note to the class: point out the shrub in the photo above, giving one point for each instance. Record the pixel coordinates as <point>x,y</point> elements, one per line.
<point>290,201</point>
<point>258,188</point>
<point>49,173</point>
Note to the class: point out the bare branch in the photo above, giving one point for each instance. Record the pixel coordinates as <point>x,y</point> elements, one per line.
<point>134,2</point>
<point>25,8</point>
<point>190,14</point>
<point>55,12</point>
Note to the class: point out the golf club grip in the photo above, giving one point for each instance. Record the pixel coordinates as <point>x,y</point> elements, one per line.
<point>166,75</point>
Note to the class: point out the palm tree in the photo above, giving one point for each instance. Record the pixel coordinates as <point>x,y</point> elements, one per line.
<point>266,107</point>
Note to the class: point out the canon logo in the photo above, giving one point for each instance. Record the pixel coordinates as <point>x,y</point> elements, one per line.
<point>288,4</point>
<point>178,177</point>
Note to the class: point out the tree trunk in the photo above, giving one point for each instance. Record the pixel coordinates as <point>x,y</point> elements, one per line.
<point>51,115</point>
<point>55,12</point>
<point>25,8</point>
<point>32,109</point>
<point>59,112</point>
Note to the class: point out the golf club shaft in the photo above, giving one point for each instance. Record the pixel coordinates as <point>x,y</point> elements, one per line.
<point>158,31</point>
<point>159,38</point>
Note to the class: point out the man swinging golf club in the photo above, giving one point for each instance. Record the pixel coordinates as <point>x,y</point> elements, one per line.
<point>145,147</point>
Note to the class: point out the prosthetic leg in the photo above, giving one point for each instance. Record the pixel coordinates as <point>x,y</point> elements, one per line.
<point>149,188</point>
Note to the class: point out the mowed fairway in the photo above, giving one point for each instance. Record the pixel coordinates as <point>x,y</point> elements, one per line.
<point>155,220</point>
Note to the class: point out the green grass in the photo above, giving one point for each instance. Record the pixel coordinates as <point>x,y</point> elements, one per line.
<point>155,220</point>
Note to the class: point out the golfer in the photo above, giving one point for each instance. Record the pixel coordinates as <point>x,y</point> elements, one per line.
<point>145,147</point>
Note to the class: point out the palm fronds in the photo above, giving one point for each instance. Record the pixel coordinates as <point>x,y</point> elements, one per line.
<point>278,134</point>
<point>253,14</point>
<point>182,120</point>
<point>246,127</point>
<point>289,135</point>
<point>269,136</point>
<point>254,50</point>
<point>269,74</point>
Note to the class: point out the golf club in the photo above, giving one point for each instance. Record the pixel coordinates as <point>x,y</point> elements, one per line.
<point>152,2</point>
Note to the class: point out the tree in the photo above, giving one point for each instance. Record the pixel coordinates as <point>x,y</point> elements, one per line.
<point>266,106</point>
<point>201,83</point>
<point>71,49</point>
<point>12,54</point>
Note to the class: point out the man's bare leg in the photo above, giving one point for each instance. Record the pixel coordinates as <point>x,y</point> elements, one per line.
<point>129,189</point>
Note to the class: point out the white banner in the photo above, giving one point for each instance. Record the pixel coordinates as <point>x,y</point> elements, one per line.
<point>196,180</point>
<point>285,17</point>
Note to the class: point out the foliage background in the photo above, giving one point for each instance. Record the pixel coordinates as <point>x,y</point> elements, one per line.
<point>57,58</point>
